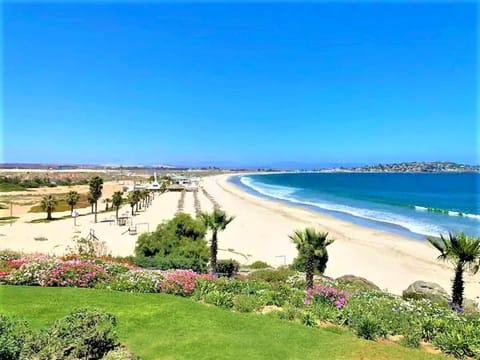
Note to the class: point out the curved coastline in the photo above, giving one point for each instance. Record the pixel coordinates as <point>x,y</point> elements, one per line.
<point>262,226</point>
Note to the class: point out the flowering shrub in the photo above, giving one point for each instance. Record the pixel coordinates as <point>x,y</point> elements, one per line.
<point>30,272</point>
<point>326,294</point>
<point>181,282</point>
<point>141,281</point>
<point>74,274</point>
<point>6,255</point>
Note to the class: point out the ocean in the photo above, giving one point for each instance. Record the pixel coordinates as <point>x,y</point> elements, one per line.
<point>410,204</point>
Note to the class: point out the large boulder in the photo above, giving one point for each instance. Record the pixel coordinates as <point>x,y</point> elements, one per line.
<point>426,290</point>
<point>358,282</point>
<point>471,307</point>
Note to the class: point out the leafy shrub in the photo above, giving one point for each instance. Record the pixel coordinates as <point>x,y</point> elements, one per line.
<point>460,340</point>
<point>6,255</point>
<point>259,265</point>
<point>83,334</point>
<point>367,327</point>
<point>139,281</point>
<point>219,298</point>
<point>74,274</point>
<point>246,303</point>
<point>289,313</point>
<point>183,237</point>
<point>172,262</point>
<point>13,334</point>
<point>272,275</point>
<point>412,337</point>
<point>308,319</point>
<point>227,267</point>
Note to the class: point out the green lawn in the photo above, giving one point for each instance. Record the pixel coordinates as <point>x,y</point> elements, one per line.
<point>159,326</point>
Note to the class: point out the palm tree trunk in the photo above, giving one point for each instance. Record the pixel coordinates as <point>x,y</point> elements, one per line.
<point>95,211</point>
<point>116,212</point>
<point>133,209</point>
<point>71,209</point>
<point>213,253</point>
<point>457,289</point>
<point>49,214</point>
<point>309,271</point>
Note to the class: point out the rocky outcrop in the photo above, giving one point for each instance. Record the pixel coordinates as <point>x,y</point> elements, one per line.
<point>426,290</point>
<point>358,282</point>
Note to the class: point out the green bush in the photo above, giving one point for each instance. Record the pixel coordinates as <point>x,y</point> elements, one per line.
<point>289,313</point>
<point>308,319</point>
<point>83,334</point>
<point>227,268</point>
<point>13,335</point>
<point>281,274</point>
<point>178,243</point>
<point>367,327</point>
<point>259,265</point>
<point>460,340</point>
<point>172,262</point>
<point>246,303</point>
<point>412,337</point>
<point>218,298</point>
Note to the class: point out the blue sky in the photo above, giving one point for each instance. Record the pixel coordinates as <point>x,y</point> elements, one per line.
<point>239,84</point>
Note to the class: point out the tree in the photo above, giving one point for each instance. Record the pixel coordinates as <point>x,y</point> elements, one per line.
<point>312,251</point>
<point>91,201</point>
<point>216,221</point>
<point>107,201</point>
<point>132,199</point>
<point>96,187</point>
<point>117,201</point>
<point>463,252</point>
<point>48,204</point>
<point>175,244</point>
<point>72,199</point>
<point>137,196</point>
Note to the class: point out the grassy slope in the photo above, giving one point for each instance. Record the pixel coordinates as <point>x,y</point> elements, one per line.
<point>159,326</point>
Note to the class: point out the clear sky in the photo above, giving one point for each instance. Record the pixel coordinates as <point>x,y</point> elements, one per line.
<point>239,84</point>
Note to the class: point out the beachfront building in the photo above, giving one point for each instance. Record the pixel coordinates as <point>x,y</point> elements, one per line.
<point>180,183</point>
<point>153,186</point>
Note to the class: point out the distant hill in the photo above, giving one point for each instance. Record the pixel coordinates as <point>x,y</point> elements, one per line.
<point>416,166</point>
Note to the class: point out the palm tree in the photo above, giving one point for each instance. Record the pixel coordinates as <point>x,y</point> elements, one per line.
<point>91,201</point>
<point>137,196</point>
<point>72,200</point>
<point>464,253</point>
<point>96,187</point>
<point>48,204</point>
<point>312,247</point>
<point>117,201</point>
<point>107,201</point>
<point>132,199</point>
<point>216,221</point>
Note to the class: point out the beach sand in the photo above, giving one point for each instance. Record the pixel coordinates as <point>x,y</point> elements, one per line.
<point>262,226</point>
<point>259,232</point>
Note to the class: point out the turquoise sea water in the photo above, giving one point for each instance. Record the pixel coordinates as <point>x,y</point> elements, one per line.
<point>411,204</point>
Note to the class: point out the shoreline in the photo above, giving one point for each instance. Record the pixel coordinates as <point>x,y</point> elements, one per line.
<point>389,260</point>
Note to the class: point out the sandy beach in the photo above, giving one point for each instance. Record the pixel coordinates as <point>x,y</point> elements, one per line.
<point>259,232</point>
<point>261,229</point>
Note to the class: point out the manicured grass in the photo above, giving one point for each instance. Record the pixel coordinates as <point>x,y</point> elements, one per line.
<point>159,326</point>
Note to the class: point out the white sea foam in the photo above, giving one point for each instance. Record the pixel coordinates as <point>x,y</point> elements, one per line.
<point>447,212</point>
<point>285,193</point>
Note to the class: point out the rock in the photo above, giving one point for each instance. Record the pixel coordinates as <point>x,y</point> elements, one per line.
<point>358,282</point>
<point>470,307</point>
<point>426,290</point>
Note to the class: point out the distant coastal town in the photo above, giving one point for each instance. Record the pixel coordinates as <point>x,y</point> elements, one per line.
<point>403,167</point>
<point>417,167</point>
